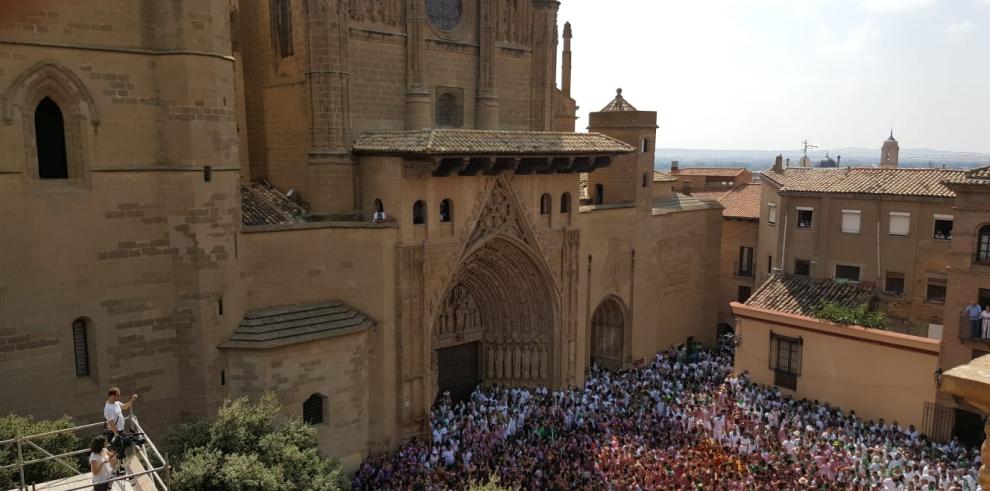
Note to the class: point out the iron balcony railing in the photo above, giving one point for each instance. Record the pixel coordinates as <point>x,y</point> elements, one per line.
<point>970,332</point>
<point>22,442</point>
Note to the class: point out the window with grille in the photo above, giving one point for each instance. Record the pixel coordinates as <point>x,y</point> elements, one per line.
<point>850,221</point>
<point>313,410</point>
<point>281,13</point>
<point>49,133</point>
<point>80,347</point>
<point>785,360</point>
<point>936,290</point>
<point>450,110</point>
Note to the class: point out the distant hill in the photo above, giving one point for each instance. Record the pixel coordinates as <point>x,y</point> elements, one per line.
<point>763,159</point>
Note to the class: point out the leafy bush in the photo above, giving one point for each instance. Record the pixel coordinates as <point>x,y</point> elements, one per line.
<point>244,448</point>
<point>491,485</point>
<point>861,315</point>
<point>13,425</point>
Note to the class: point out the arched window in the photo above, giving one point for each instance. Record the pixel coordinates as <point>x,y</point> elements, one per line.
<point>281,13</point>
<point>378,215</point>
<point>449,112</point>
<point>565,203</point>
<point>546,203</point>
<point>983,245</point>
<point>446,211</point>
<point>599,194</point>
<point>313,410</point>
<point>80,347</point>
<point>419,213</point>
<point>49,132</point>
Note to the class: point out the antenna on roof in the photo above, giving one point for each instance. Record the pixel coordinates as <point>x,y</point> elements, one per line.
<point>807,145</point>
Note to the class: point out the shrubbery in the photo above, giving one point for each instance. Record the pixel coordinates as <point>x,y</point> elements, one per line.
<point>13,425</point>
<point>245,449</point>
<point>862,315</point>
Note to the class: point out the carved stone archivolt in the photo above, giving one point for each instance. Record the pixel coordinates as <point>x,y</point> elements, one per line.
<point>515,21</point>
<point>458,314</point>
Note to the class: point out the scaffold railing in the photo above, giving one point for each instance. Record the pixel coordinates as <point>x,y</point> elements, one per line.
<point>137,462</point>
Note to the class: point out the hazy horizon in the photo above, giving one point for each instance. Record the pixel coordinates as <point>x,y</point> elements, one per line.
<point>767,74</point>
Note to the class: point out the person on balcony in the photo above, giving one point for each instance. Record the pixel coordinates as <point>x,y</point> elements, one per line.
<point>986,323</point>
<point>101,464</point>
<point>974,312</point>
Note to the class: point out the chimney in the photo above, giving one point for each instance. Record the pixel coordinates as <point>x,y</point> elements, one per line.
<point>565,77</point>
<point>838,161</point>
<point>778,163</point>
<point>787,162</point>
<point>673,166</point>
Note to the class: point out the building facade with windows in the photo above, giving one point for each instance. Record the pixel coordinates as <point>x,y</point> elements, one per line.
<point>889,228</point>
<point>709,179</point>
<point>356,205</point>
<point>876,373</point>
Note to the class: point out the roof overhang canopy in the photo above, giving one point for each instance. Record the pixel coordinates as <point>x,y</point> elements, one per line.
<point>472,152</point>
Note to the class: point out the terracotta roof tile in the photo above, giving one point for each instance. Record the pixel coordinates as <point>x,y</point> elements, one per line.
<point>663,177</point>
<point>681,202</point>
<point>709,171</point>
<point>618,104</point>
<point>742,202</point>
<point>262,204</point>
<point>801,295</point>
<point>978,177</point>
<point>709,195</point>
<point>442,141</point>
<point>865,180</point>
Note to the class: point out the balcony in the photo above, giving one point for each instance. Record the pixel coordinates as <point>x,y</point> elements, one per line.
<point>969,335</point>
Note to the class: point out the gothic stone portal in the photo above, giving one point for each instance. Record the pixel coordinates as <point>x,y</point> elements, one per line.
<point>502,301</point>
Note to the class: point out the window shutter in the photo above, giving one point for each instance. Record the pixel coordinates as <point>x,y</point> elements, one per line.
<point>900,223</point>
<point>850,221</point>
<point>774,347</point>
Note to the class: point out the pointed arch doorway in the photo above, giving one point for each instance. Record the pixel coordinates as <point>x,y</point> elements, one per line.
<point>496,323</point>
<point>608,334</point>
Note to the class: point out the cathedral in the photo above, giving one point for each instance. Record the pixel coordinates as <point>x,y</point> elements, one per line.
<point>357,205</point>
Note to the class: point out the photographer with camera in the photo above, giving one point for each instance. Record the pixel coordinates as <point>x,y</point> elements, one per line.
<point>113,413</point>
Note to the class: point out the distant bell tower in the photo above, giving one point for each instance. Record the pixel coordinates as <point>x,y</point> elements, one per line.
<point>630,177</point>
<point>889,152</point>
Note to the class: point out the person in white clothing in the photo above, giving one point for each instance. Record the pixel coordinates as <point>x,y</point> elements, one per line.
<point>985,316</point>
<point>101,464</point>
<point>113,413</point>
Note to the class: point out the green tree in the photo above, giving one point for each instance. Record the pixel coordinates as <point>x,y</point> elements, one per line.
<point>245,449</point>
<point>492,484</point>
<point>12,426</point>
<point>861,315</point>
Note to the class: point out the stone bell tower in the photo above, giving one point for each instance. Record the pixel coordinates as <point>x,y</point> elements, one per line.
<point>630,177</point>
<point>889,152</point>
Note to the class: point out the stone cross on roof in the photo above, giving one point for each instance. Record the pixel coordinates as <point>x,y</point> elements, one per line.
<point>618,104</point>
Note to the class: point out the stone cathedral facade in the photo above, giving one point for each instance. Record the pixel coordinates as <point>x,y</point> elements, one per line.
<point>355,204</point>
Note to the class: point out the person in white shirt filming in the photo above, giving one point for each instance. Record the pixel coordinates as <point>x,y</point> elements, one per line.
<point>113,413</point>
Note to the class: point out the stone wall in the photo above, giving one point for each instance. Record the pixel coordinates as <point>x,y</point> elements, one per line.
<point>735,234</point>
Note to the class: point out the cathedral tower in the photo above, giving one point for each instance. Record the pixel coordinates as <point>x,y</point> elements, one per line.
<point>889,152</point>
<point>630,177</point>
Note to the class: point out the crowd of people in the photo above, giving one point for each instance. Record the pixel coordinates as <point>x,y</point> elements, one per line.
<point>680,422</point>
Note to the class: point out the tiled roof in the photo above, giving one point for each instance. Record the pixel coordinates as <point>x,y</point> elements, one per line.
<point>679,203</point>
<point>444,141</point>
<point>801,295</point>
<point>742,202</point>
<point>979,177</point>
<point>291,324</point>
<point>709,195</point>
<point>865,180</point>
<point>710,171</point>
<point>618,104</point>
<point>262,204</point>
<point>663,177</point>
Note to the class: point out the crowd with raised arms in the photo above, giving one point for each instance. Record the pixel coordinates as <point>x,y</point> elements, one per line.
<point>680,422</point>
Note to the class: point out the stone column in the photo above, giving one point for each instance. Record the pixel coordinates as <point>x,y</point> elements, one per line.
<point>327,70</point>
<point>487,101</point>
<point>544,63</point>
<point>971,383</point>
<point>418,104</point>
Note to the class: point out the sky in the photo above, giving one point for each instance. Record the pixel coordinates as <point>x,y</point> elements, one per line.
<point>767,74</point>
